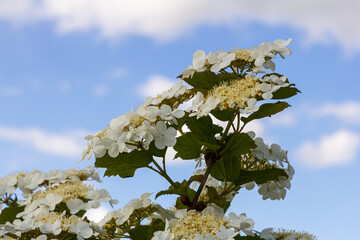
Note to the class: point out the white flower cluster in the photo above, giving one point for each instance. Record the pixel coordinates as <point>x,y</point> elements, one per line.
<point>28,182</point>
<point>266,51</point>
<point>122,215</point>
<point>137,129</point>
<point>271,84</point>
<point>274,153</point>
<point>261,56</point>
<point>44,192</point>
<point>268,234</point>
<point>217,61</point>
<point>210,224</point>
<point>200,106</point>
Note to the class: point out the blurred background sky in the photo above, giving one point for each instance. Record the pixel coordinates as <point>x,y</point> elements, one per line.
<point>67,67</point>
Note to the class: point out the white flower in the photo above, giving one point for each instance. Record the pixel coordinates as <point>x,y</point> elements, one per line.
<point>54,228</point>
<point>261,52</point>
<point>207,237</point>
<point>82,230</point>
<point>24,226</point>
<point>199,61</point>
<point>142,202</point>
<point>41,237</point>
<point>241,222</point>
<point>200,108</point>
<point>93,146</point>
<point>163,235</point>
<point>280,47</point>
<point>75,205</point>
<point>115,143</point>
<point>251,106</point>
<point>165,136</point>
<point>220,60</point>
<point>266,234</point>
<point>50,200</point>
<point>7,184</point>
<point>226,234</point>
<point>124,214</point>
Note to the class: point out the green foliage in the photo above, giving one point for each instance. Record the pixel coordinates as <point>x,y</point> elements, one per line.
<point>204,129</point>
<point>255,237</point>
<point>216,198</point>
<point>187,147</point>
<point>157,152</point>
<point>266,110</point>
<point>286,92</point>
<point>203,80</point>
<point>181,189</point>
<point>259,176</point>
<point>125,164</point>
<point>9,214</point>
<point>223,115</point>
<point>142,232</point>
<point>238,144</point>
<point>228,169</point>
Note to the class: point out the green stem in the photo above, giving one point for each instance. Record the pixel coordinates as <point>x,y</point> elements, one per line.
<point>227,128</point>
<point>163,173</point>
<point>212,159</point>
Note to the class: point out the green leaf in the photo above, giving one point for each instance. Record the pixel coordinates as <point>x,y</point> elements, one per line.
<point>255,237</point>
<point>285,92</point>
<point>259,176</point>
<point>224,115</point>
<point>181,189</point>
<point>203,80</point>
<point>187,147</point>
<point>266,110</point>
<point>9,214</point>
<point>204,129</point>
<point>142,232</point>
<point>239,144</point>
<point>157,152</point>
<point>125,164</point>
<point>214,197</point>
<point>179,204</point>
<point>226,169</point>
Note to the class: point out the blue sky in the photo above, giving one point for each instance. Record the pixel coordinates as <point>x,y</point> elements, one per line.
<point>68,67</point>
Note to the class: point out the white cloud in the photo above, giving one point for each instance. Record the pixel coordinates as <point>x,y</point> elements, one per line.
<point>283,119</point>
<point>100,91</point>
<point>348,111</point>
<point>69,144</point>
<point>322,20</point>
<point>10,91</point>
<point>339,148</point>
<point>155,85</point>
<point>117,73</point>
<point>97,215</point>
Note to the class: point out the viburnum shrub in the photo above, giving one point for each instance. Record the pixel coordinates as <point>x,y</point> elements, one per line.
<point>202,117</point>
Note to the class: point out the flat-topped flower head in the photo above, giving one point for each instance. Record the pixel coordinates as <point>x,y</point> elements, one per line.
<point>192,223</point>
<point>237,93</point>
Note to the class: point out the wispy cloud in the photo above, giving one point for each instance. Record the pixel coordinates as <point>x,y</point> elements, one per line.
<point>155,85</point>
<point>117,73</point>
<point>347,111</point>
<point>69,144</point>
<point>339,148</point>
<point>10,91</point>
<point>97,214</point>
<point>322,21</point>
<point>100,91</point>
